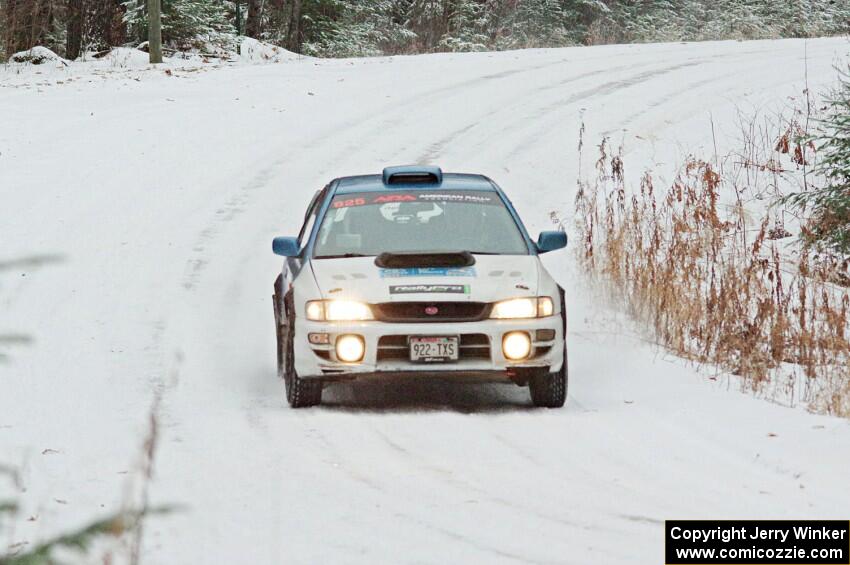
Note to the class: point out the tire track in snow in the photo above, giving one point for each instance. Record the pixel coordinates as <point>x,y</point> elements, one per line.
<point>436,148</point>
<point>602,90</point>
<point>720,78</point>
<point>234,206</point>
<point>448,478</point>
<point>594,92</point>
<point>483,548</point>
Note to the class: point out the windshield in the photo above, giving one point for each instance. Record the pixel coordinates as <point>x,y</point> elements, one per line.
<point>370,223</point>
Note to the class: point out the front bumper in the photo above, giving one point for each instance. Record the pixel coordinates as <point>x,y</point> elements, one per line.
<point>481,359</point>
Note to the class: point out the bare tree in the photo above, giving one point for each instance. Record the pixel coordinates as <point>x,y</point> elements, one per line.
<point>107,22</point>
<point>294,35</point>
<point>253,24</point>
<point>74,40</point>
<point>8,25</point>
<point>26,23</point>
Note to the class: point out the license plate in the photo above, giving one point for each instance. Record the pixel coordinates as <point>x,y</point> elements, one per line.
<point>433,349</point>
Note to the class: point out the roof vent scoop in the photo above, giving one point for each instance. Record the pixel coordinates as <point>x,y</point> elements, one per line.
<point>443,259</point>
<point>413,174</point>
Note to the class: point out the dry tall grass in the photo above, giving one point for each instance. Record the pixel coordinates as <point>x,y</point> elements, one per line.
<point>715,290</point>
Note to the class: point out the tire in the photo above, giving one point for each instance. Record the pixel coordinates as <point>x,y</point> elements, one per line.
<point>300,393</point>
<point>549,390</point>
<point>278,326</point>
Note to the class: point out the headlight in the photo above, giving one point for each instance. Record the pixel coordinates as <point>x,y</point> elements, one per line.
<point>337,311</point>
<point>316,310</point>
<point>517,308</point>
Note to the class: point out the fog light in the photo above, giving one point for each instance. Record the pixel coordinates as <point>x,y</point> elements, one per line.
<point>319,339</point>
<point>350,348</point>
<point>516,345</point>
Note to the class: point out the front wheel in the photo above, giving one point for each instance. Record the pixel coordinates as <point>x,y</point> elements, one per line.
<point>300,393</point>
<point>549,390</point>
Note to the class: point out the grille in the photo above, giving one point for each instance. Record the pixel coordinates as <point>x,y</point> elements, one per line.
<point>417,311</point>
<point>472,346</point>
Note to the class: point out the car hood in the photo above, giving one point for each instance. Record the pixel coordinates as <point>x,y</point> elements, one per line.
<point>491,278</point>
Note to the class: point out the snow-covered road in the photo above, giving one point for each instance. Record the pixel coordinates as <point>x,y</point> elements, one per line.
<point>137,214</point>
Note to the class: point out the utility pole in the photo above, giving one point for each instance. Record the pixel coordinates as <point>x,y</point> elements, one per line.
<point>155,31</point>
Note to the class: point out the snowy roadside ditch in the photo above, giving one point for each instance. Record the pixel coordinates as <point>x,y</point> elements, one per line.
<point>715,264</point>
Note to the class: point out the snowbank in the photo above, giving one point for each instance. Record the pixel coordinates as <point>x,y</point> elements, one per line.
<point>39,66</point>
<point>253,51</point>
<point>38,55</point>
<point>126,57</point>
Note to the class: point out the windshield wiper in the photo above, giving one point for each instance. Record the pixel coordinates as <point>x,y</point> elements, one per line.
<point>341,256</point>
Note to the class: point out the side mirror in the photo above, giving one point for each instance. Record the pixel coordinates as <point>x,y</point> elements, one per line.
<point>551,240</point>
<point>286,246</point>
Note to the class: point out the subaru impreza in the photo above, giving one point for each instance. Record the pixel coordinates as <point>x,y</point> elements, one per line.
<point>416,273</point>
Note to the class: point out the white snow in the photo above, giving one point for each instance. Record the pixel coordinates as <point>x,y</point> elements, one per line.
<point>138,211</point>
<point>37,55</point>
<point>126,57</point>
<point>252,51</point>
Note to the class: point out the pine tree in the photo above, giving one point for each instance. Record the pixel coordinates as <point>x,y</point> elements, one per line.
<point>530,23</point>
<point>829,225</point>
<point>354,28</point>
<point>182,20</point>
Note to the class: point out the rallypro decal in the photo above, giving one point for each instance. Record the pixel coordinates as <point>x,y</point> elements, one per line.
<point>429,289</point>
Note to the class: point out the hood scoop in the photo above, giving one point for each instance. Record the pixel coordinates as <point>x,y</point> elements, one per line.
<point>407,260</point>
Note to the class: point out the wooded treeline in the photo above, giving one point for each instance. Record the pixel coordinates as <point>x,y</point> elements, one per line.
<point>372,27</point>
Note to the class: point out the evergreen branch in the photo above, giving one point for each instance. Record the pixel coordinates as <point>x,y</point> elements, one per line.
<point>81,539</point>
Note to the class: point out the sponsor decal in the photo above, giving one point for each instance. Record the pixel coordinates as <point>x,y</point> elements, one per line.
<point>428,272</point>
<point>429,289</point>
<point>461,196</point>
<point>348,202</point>
<point>394,198</point>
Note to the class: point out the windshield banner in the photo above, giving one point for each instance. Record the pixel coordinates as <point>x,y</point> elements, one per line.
<point>373,198</point>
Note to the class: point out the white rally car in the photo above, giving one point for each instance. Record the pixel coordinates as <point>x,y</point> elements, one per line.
<point>418,273</point>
